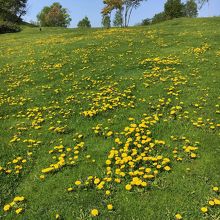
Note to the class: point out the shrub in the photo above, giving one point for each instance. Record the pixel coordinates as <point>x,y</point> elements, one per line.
<point>159,18</point>
<point>8,27</point>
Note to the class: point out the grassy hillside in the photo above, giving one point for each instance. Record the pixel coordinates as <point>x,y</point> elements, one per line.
<point>121,117</point>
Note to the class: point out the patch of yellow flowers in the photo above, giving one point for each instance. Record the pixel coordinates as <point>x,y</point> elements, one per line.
<point>109,98</point>
<point>213,202</point>
<point>17,204</point>
<point>64,156</point>
<point>136,160</point>
<point>15,166</point>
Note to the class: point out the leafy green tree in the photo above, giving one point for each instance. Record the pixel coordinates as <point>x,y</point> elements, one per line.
<point>12,10</point>
<point>54,16</point>
<point>191,9</point>
<point>118,20</point>
<point>126,6</point>
<point>84,23</point>
<point>106,21</point>
<point>174,9</point>
<point>159,18</point>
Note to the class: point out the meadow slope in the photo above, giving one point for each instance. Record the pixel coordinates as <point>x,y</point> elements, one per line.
<point>118,123</point>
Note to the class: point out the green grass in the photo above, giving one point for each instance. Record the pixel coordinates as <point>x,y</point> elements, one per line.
<point>41,69</point>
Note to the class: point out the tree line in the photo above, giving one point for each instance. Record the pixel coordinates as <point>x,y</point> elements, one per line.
<point>176,9</point>
<point>55,15</point>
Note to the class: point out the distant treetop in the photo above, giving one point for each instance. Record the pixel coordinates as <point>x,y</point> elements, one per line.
<point>54,16</point>
<point>125,7</point>
<point>84,23</point>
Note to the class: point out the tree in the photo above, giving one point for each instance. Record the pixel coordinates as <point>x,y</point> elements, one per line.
<point>12,10</point>
<point>174,9</point>
<point>54,16</point>
<point>84,23</point>
<point>159,18</point>
<point>118,20</point>
<point>191,9</point>
<point>126,6</point>
<point>146,22</point>
<point>106,21</point>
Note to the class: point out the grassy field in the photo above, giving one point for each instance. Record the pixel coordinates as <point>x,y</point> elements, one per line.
<point>121,121</point>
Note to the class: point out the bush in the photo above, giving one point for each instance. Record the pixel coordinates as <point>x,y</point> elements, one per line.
<point>159,18</point>
<point>7,27</point>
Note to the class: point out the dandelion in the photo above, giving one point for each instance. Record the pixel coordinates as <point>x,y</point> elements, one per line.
<point>107,192</point>
<point>215,189</point>
<point>178,216</point>
<point>57,216</point>
<point>18,199</point>
<point>97,181</point>
<point>7,208</point>
<point>77,183</point>
<point>193,155</point>
<point>94,212</point>
<point>167,168</point>
<point>128,187</point>
<point>217,201</point>
<point>211,203</point>
<point>19,210</point>
<point>204,209</point>
<point>42,177</point>
<point>70,189</point>
<point>109,207</point>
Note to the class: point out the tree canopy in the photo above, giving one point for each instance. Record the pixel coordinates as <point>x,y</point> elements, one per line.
<point>106,21</point>
<point>191,9</point>
<point>12,10</point>
<point>125,6</point>
<point>174,9</point>
<point>84,23</point>
<point>54,16</point>
<point>118,20</point>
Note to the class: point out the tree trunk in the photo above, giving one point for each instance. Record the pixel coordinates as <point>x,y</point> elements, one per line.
<point>130,14</point>
<point>126,15</point>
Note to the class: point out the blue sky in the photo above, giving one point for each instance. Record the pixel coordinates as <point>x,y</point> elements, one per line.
<point>91,8</point>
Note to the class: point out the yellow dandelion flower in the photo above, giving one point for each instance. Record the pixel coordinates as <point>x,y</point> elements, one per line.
<point>178,216</point>
<point>18,199</point>
<point>78,183</point>
<point>57,216</point>
<point>211,202</point>
<point>19,210</point>
<point>217,201</point>
<point>215,189</point>
<point>6,207</point>
<point>94,212</point>
<point>128,187</point>
<point>110,207</point>
<point>42,177</point>
<point>204,209</point>
<point>107,192</point>
<point>167,168</point>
